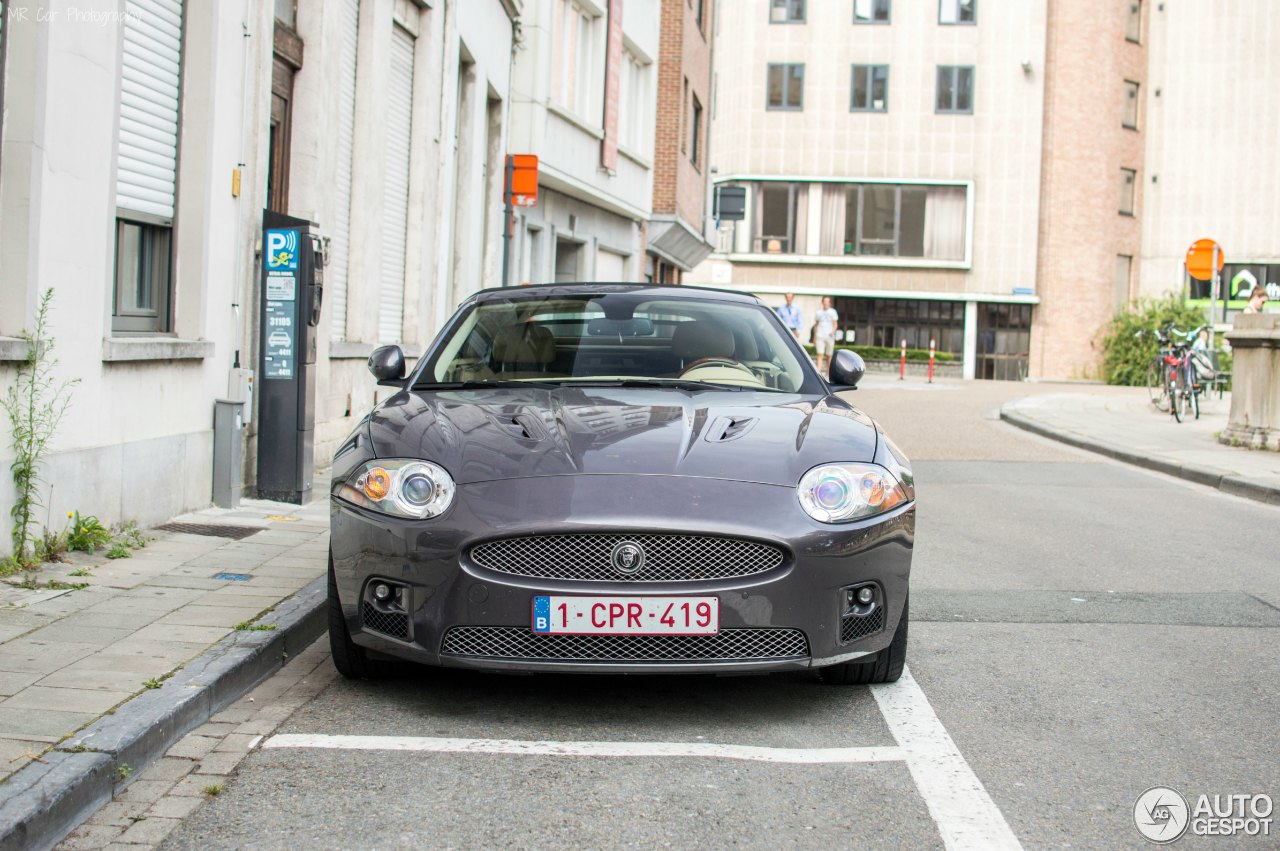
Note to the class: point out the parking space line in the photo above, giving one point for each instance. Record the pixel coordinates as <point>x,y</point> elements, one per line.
<point>616,749</point>
<point>960,806</point>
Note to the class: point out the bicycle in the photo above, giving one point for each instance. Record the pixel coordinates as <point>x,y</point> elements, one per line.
<point>1182,378</point>
<point>1172,380</point>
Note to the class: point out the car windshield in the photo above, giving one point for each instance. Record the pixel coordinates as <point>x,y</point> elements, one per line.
<point>623,338</point>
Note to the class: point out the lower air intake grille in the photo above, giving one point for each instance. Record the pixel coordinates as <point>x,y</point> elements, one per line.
<point>394,624</point>
<point>854,627</point>
<point>729,645</point>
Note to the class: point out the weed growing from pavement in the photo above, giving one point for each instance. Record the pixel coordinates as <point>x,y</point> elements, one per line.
<point>152,683</point>
<point>119,551</point>
<point>81,571</point>
<point>212,789</point>
<point>35,405</point>
<point>123,771</point>
<point>55,585</point>
<point>249,626</point>
<point>86,533</point>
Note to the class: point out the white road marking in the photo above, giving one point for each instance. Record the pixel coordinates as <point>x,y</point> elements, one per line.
<point>960,806</point>
<point>631,749</point>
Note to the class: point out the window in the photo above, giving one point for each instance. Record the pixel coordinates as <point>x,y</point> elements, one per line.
<point>1133,23</point>
<point>573,67</point>
<point>698,14</point>
<point>1130,119</point>
<point>779,217</point>
<point>958,11</point>
<point>143,261</point>
<point>889,321</point>
<point>1128,177</point>
<point>786,11</point>
<point>870,88</point>
<point>634,90</point>
<point>871,11</point>
<point>955,88</point>
<point>695,124</point>
<point>786,87</point>
<point>893,220</point>
<point>147,168</point>
<point>1120,284</point>
<point>1004,341</point>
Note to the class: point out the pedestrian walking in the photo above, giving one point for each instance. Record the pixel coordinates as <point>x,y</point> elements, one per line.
<point>824,334</point>
<point>1257,299</point>
<point>790,316</point>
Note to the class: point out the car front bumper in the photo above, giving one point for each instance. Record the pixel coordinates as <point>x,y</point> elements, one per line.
<point>789,617</point>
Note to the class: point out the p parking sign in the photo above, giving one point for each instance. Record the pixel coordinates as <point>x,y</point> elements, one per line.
<point>281,250</point>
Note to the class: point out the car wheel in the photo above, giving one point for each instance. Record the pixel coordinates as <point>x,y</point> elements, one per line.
<point>349,658</point>
<point>885,668</point>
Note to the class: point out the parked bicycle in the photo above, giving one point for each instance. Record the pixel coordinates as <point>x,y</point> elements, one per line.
<point>1174,380</point>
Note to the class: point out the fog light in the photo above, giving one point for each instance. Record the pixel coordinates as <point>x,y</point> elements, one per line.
<point>866,594</point>
<point>382,591</point>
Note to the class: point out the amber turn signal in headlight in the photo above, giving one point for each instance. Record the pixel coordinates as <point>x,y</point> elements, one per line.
<point>403,488</point>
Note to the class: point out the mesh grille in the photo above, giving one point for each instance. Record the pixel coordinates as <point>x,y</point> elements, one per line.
<point>853,627</point>
<point>729,645</point>
<point>667,558</point>
<point>211,529</point>
<point>394,624</point>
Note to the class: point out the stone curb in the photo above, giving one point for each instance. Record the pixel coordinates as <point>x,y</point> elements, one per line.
<point>43,802</point>
<point>1227,483</point>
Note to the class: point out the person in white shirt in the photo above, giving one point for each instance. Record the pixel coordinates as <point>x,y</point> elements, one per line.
<point>824,334</point>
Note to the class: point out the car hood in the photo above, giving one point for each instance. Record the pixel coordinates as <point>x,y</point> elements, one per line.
<point>489,434</point>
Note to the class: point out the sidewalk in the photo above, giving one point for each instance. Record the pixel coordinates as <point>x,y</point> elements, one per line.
<point>104,670</point>
<point>1123,425</point>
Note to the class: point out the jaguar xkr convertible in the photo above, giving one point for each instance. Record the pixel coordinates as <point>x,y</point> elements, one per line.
<point>620,479</point>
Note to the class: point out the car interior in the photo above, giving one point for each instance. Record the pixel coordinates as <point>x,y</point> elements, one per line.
<point>557,341</point>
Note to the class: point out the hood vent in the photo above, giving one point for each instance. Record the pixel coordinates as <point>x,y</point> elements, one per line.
<point>729,428</point>
<point>523,426</point>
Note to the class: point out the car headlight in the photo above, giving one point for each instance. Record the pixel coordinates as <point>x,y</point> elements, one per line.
<point>417,489</point>
<point>838,493</point>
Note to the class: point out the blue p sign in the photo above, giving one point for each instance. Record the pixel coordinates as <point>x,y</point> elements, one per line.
<point>282,249</point>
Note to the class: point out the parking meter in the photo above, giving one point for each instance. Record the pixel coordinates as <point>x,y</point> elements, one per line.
<point>291,295</point>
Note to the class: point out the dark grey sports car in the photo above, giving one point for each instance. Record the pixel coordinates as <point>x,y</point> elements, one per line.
<point>623,479</point>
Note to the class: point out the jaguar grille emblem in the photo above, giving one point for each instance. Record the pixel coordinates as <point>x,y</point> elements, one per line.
<point>627,557</point>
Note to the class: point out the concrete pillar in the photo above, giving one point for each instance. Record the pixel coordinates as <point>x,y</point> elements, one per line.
<point>1255,383</point>
<point>970,340</point>
<point>813,233</point>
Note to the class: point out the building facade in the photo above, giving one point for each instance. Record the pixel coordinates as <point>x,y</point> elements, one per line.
<point>584,86</point>
<point>140,145</point>
<point>679,235</point>
<point>891,156</point>
<point>1000,177</point>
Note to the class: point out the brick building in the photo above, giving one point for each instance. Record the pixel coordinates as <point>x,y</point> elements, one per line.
<point>678,235</point>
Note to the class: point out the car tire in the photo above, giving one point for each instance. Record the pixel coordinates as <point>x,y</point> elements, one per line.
<point>885,668</point>
<point>351,660</point>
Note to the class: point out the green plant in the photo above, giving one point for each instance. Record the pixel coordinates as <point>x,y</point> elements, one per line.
<point>86,532</point>
<point>51,546</point>
<point>247,626</point>
<point>152,683</point>
<point>55,585</point>
<point>35,405</point>
<point>123,771</point>
<point>212,789</point>
<point>81,571</point>
<point>119,550</point>
<point>1125,354</point>
<point>130,535</point>
<point>9,566</point>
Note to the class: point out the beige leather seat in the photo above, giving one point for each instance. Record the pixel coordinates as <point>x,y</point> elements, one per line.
<point>693,341</point>
<point>523,350</point>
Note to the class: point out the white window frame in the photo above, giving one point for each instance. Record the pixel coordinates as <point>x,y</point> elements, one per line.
<point>575,71</point>
<point>951,13</point>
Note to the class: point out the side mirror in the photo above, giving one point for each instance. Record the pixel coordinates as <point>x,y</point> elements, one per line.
<point>847,368</point>
<point>387,365</point>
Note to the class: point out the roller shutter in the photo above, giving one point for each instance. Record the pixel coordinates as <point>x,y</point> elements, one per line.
<point>151,67</point>
<point>340,233</point>
<point>395,199</point>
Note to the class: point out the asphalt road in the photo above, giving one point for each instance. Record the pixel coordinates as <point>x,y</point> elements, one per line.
<point>1082,630</point>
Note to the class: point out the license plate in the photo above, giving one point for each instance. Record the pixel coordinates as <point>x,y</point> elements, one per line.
<point>626,615</point>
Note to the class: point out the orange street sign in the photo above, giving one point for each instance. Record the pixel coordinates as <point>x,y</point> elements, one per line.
<point>1200,259</point>
<point>524,179</point>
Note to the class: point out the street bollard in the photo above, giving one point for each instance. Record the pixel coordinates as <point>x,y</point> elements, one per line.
<point>902,367</point>
<point>932,346</point>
